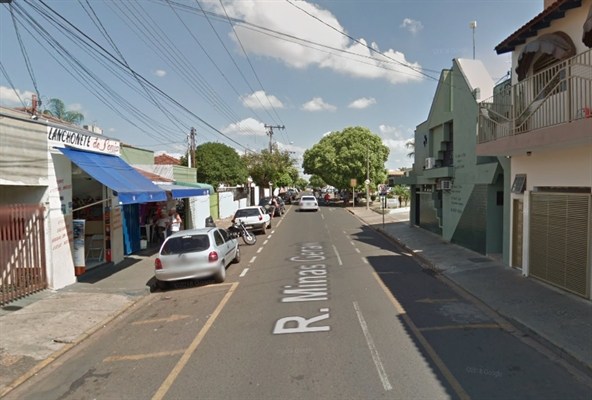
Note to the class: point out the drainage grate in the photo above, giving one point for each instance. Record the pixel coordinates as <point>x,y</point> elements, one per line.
<point>480,259</point>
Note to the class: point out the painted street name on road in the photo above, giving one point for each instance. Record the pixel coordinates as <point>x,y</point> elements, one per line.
<point>312,285</point>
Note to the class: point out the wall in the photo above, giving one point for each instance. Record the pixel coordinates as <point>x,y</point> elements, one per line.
<point>571,24</point>
<point>200,210</point>
<point>60,262</point>
<point>23,151</point>
<point>22,194</point>
<point>226,204</point>
<point>132,155</point>
<point>184,174</point>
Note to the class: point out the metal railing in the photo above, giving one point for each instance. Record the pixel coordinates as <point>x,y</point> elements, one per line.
<point>559,94</point>
<point>22,251</point>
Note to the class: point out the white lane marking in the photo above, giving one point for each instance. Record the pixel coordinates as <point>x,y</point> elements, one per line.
<point>345,233</point>
<point>265,242</point>
<point>252,259</point>
<point>337,254</point>
<point>272,232</point>
<point>269,236</point>
<point>358,250</point>
<point>260,248</point>
<point>244,272</point>
<point>375,356</point>
<point>364,259</point>
<point>352,243</point>
<point>322,216</point>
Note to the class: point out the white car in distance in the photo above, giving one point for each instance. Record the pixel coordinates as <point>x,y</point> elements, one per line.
<point>308,203</point>
<point>255,218</point>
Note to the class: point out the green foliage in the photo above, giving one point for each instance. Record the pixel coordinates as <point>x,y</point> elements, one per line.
<point>403,192</point>
<point>284,181</point>
<point>411,146</point>
<point>217,164</point>
<point>57,108</point>
<point>341,156</point>
<point>293,172</point>
<point>317,182</point>
<point>265,167</point>
<point>301,183</point>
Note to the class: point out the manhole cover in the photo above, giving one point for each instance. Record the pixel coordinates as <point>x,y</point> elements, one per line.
<point>479,259</point>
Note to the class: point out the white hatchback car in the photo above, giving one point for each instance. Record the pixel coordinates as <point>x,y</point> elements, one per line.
<point>255,218</point>
<point>308,203</point>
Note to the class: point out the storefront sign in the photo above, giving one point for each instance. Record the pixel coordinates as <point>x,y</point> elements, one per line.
<point>62,137</point>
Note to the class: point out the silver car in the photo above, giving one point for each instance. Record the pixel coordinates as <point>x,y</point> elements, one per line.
<point>308,203</point>
<point>195,254</point>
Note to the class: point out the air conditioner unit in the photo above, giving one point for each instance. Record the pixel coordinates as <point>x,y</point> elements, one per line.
<point>430,162</point>
<point>446,185</point>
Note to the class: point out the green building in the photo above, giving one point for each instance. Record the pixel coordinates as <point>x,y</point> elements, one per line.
<point>454,193</point>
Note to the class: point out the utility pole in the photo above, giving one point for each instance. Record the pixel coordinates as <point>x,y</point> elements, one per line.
<point>193,146</point>
<point>367,177</point>
<point>270,134</point>
<point>189,156</point>
<point>473,25</point>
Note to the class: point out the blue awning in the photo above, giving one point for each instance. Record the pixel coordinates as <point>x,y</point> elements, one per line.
<point>116,174</point>
<point>181,192</point>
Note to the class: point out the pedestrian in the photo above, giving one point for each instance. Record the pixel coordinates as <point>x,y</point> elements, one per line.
<point>175,222</point>
<point>161,226</point>
<point>327,198</point>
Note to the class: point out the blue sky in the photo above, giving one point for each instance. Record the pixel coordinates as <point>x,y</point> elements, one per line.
<point>193,71</point>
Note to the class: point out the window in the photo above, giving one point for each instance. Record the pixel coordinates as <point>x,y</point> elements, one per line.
<point>186,244</point>
<point>247,212</point>
<point>224,234</point>
<point>448,160</point>
<point>218,238</point>
<point>519,183</point>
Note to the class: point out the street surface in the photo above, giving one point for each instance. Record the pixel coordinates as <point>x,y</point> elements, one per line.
<point>322,307</point>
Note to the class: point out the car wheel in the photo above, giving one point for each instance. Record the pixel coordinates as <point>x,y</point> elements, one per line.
<point>161,285</point>
<point>237,256</point>
<point>221,274</point>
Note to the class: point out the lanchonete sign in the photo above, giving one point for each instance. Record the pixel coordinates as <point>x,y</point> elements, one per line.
<point>62,137</point>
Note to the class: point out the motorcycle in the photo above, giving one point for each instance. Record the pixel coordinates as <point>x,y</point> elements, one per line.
<point>238,229</point>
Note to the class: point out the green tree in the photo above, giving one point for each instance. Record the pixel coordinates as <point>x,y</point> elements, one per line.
<point>317,182</point>
<point>411,146</point>
<point>403,192</point>
<point>293,172</point>
<point>217,163</point>
<point>341,156</point>
<point>301,183</point>
<point>57,108</point>
<point>283,181</point>
<point>266,166</point>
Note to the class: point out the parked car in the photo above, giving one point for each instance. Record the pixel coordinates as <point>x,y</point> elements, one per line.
<point>286,197</point>
<point>266,203</point>
<point>195,254</point>
<point>308,203</point>
<point>255,218</point>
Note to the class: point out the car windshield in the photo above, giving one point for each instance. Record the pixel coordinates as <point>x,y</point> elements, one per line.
<point>247,212</point>
<point>264,201</point>
<point>186,244</point>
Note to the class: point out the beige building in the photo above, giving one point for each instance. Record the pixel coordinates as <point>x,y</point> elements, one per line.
<point>541,119</point>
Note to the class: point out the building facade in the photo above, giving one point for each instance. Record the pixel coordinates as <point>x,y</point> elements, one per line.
<point>454,192</point>
<point>541,120</point>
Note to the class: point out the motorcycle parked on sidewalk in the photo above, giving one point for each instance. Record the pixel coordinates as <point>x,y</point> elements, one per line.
<point>238,229</point>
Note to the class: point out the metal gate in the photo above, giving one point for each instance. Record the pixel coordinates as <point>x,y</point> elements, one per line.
<point>559,237</point>
<point>22,251</point>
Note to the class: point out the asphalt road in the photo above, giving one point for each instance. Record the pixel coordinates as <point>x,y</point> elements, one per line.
<point>328,309</point>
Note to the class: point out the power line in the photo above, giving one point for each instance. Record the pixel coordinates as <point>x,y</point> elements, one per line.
<point>11,85</point>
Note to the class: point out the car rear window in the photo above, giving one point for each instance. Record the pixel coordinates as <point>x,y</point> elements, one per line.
<point>308,198</point>
<point>186,244</point>
<point>264,202</point>
<point>249,212</point>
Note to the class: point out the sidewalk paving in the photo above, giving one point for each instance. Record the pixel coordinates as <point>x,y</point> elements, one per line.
<point>38,329</point>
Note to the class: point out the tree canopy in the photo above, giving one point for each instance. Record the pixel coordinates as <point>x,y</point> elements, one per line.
<point>57,108</point>
<point>317,182</point>
<point>217,164</point>
<point>301,183</point>
<point>266,166</point>
<point>340,156</point>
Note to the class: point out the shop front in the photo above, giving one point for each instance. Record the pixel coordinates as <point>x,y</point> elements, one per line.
<point>92,187</point>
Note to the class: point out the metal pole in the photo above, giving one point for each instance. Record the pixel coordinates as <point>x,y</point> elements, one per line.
<point>367,177</point>
<point>382,201</point>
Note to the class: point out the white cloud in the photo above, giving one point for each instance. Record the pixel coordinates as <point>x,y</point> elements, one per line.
<point>283,17</point>
<point>176,155</point>
<point>111,129</point>
<point>9,97</point>
<point>260,99</point>
<point>317,104</point>
<point>395,139</point>
<point>326,133</point>
<point>362,103</point>
<point>75,107</point>
<point>160,73</point>
<point>411,25</point>
<point>247,126</point>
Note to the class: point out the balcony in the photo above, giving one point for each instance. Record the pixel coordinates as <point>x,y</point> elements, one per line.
<point>532,114</point>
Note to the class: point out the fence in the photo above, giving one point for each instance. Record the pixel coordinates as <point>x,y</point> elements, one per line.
<point>22,251</point>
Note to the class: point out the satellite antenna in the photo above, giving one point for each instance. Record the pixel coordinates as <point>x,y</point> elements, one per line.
<point>473,25</point>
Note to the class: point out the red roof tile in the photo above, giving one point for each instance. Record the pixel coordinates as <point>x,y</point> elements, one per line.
<point>153,177</point>
<point>543,20</point>
<point>165,159</point>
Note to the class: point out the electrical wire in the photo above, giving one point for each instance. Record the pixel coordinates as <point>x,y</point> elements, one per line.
<point>11,85</point>
<point>24,52</point>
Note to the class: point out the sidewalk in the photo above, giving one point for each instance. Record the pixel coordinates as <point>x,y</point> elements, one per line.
<point>563,321</point>
<point>39,328</point>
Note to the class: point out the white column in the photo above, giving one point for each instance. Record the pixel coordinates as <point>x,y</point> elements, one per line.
<point>526,234</point>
